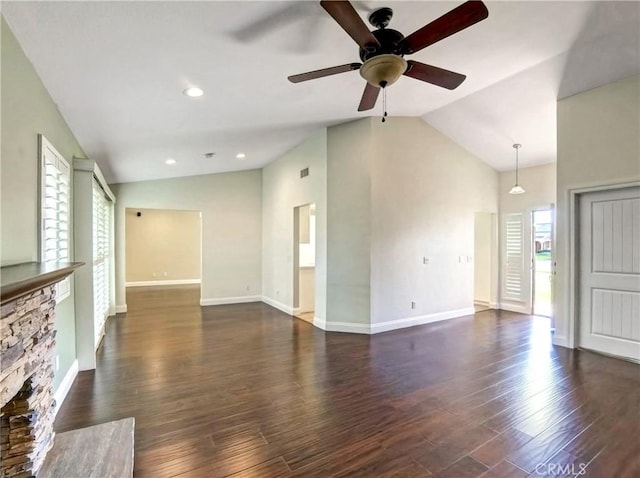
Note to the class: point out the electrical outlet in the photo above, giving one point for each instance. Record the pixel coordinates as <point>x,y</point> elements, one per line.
<point>164,274</point>
<point>153,274</point>
<point>248,288</point>
<point>413,305</point>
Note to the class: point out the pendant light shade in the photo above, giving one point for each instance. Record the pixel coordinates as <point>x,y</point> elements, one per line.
<point>517,189</point>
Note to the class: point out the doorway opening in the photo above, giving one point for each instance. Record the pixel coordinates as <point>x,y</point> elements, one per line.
<point>304,261</point>
<point>542,258</point>
<point>163,254</point>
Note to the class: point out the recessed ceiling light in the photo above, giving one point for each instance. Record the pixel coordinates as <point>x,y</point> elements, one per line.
<point>170,161</point>
<point>194,92</point>
<point>241,156</point>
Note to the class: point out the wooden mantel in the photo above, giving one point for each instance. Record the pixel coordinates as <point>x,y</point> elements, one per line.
<point>21,279</point>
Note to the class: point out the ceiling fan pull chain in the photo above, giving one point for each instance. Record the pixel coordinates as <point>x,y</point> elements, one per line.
<point>384,102</point>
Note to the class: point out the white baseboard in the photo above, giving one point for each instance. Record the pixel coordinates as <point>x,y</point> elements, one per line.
<point>63,389</point>
<point>348,327</point>
<point>121,309</point>
<point>514,307</point>
<point>420,320</point>
<point>493,305</point>
<point>147,283</point>
<point>231,300</point>
<point>483,303</point>
<point>560,340</point>
<point>278,305</point>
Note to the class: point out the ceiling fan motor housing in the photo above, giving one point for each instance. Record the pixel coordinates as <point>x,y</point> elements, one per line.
<point>389,40</point>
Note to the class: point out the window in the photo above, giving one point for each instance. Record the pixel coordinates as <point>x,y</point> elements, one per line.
<point>55,210</point>
<point>101,253</point>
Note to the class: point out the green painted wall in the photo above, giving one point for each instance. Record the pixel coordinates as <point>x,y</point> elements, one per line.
<point>27,110</point>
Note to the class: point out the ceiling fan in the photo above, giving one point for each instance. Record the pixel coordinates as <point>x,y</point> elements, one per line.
<point>382,50</point>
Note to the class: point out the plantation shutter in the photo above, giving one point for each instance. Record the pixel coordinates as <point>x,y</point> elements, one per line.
<point>513,258</point>
<point>101,254</point>
<point>55,199</point>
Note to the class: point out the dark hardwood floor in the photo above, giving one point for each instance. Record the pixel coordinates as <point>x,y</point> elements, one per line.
<point>247,391</point>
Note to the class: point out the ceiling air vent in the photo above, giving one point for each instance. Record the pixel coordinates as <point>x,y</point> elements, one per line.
<point>304,172</point>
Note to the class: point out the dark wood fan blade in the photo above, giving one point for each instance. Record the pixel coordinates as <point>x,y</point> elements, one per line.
<point>457,19</point>
<point>434,75</point>
<point>369,97</point>
<point>347,17</point>
<point>334,70</point>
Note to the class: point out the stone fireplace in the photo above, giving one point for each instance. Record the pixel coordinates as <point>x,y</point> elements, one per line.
<point>27,338</point>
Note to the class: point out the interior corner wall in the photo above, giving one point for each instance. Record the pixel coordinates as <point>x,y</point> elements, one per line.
<point>282,190</point>
<point>162,245</point>
<point>598,145</point>
<point>483,258</point>
<point>540,185</point>
<point>27,110</point>
<point>231,206</point>
<point>425,191</point>
<point>349,157</point>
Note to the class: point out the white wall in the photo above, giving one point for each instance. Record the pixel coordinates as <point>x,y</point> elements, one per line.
<point>539,183</point>
<point>598,144</point>
<point>282,191</point>
<point>349,150</point>
<point>231,229</point>
<point>162,245</point>
<point>425,190</point>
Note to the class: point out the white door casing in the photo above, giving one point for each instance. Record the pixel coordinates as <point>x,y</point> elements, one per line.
<point>609,272</point>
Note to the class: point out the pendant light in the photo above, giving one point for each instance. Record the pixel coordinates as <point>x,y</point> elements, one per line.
<point>517,189</point>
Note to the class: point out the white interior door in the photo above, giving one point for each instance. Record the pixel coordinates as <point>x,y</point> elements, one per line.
<point>610,272</point>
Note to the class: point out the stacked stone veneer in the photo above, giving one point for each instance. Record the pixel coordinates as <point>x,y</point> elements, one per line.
<point>27,338</point>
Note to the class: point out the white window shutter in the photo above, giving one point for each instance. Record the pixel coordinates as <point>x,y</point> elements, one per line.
<point>55,210</point>
<point>101,254</point>
<point>512,283</point>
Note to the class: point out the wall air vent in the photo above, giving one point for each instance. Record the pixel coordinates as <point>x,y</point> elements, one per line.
<point>304,172</point>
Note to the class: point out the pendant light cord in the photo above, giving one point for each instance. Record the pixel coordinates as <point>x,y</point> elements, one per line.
<point>517,148</point>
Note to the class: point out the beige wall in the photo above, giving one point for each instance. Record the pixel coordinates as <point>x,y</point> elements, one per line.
<point>484,256</point>
<point>598,144</point>
<point>425,191</point>
<point>162,245</point>
<point>27,110</point>
<point>539,183</point>
<point>231,229</point>
<point>282,191</point>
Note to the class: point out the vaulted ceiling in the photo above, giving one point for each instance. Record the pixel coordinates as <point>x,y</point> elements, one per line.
<point>117,71</point>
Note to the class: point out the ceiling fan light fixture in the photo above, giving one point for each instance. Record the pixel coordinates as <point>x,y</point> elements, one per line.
<point>517,189</point>
<point>383,70</point>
